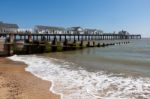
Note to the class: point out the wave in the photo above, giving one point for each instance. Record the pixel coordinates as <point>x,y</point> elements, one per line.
<point>81,84</point>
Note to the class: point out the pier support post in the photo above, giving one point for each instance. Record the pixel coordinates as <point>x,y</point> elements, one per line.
<point>81,37</point>
<point>88,44</point>
<point>88,37</point>
<point>81,44</point>
<point>93,43</point>
<point>54,45</point>
<point>29,46</point>
<point>65,45</point>
<point>78,37</point>
<point>29,38</point>
<point>98,45</point>
<point>65,37</point>
<point>9,45</point>
<point>54,41</point>
<point>74,37</point>
<point>60,38</point>
<point>65,42</point>
<point>85,37</point>
<point>49,38</point>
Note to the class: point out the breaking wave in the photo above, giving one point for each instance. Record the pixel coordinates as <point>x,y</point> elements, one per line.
<point>81,84</point>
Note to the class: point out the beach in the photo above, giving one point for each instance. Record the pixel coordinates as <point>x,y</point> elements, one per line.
<point>16,83</point>
<point>113,72</point>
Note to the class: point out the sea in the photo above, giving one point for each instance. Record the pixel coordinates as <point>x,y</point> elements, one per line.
<point>113,72</point>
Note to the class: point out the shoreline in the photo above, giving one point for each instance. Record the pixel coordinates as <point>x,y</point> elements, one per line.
<point>16,82</point>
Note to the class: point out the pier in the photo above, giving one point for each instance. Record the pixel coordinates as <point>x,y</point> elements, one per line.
<point>62,37</point>
<point>29,43</point>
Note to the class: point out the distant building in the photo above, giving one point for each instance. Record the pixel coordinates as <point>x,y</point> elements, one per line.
<point>123,32</point>
<point>8,27</point>
<point>93,31</point>
<point>22,30</point>
<point>75,30</point>
<point>99,32</point>
<point>49,30</point>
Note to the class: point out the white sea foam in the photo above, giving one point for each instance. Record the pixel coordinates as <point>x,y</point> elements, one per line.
<point>81,84</point>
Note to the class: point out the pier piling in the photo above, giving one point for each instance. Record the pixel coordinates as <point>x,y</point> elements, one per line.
<point>61,40</point>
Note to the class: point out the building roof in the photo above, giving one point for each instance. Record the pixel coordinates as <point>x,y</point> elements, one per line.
<point>75,28</point>
<point>8,25</point>
<point>49,27</point>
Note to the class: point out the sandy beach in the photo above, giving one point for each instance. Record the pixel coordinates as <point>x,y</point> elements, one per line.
<point>16,83</point>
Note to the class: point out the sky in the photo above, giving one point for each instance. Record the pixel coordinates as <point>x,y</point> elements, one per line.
<point>107,15</point>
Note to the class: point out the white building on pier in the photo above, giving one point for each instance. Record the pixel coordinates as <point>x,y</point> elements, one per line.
<point>75,30</point>
<point>8,28</point>
<point>93,31</point>
<point>49,29</point>
<point>123,32</point>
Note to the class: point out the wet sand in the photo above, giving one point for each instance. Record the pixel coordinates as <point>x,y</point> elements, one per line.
<point>16,83</point>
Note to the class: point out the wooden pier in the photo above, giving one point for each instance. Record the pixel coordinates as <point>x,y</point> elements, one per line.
<point>61,37</point>
<point>30,40</point>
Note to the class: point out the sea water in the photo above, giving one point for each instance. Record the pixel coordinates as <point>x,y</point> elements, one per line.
<point>115,72</point>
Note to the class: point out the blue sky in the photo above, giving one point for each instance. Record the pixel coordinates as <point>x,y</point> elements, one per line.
<point>108,15</point>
